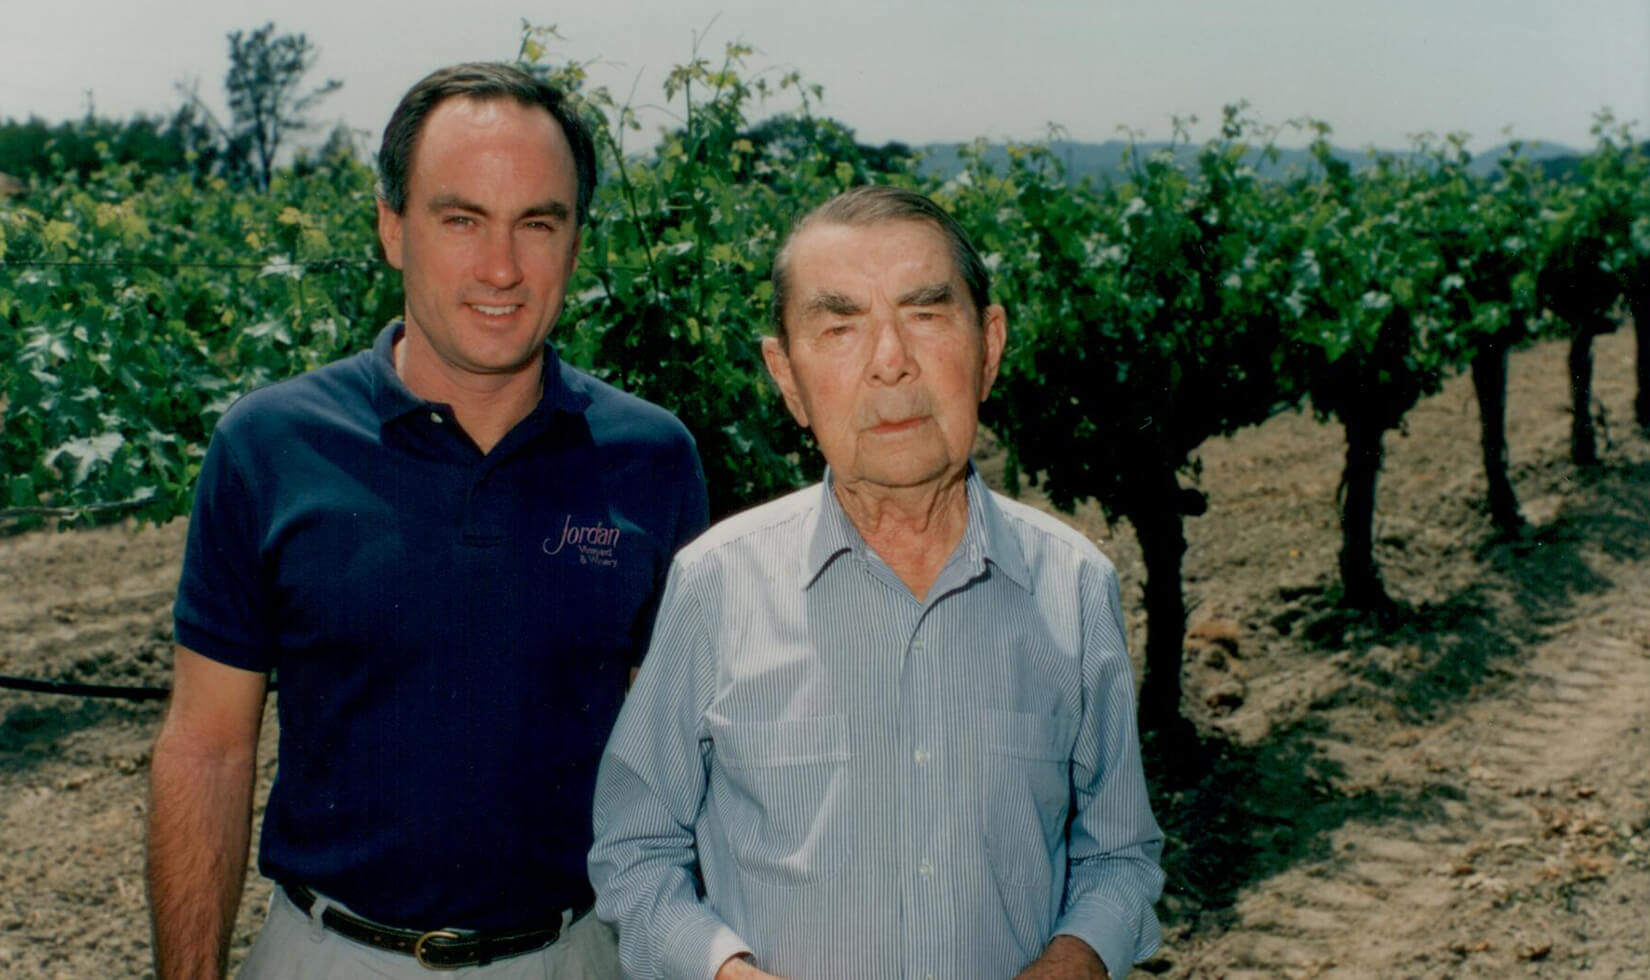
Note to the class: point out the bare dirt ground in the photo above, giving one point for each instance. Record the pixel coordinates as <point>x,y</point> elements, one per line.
<point>1466,794</point>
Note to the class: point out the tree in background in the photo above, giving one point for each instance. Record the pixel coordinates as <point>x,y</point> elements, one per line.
<point>1144,320</point>
<point>1590,262</point>
<point>1635,273</point>
<point>1370,338</point>
<point>1488,234</point>
<point>265,79</point>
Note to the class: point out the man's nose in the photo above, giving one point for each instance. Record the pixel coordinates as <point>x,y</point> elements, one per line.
<point>891,360</point>
<point>497,264</point>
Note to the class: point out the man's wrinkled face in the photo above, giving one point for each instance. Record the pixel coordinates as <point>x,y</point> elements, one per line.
<point>887,360</point>
<point>488,238</point>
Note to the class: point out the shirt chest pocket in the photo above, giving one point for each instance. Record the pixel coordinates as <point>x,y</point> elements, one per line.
<point>784,795</point>
<point>1026,793</point>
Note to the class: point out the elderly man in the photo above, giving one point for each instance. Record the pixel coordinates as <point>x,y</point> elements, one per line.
<point>886,724</point>
<point>450,547</point>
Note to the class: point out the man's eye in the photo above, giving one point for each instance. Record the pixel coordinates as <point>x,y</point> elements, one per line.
<point>544,226</point>
<point>458,220</point>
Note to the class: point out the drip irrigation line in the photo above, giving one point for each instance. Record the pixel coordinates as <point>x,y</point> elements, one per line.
<point>122,692</point>
<point>125,692</point>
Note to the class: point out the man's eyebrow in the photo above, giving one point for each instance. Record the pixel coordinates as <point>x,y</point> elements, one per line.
<point>933,294</point>
<point>547,209</point>
<point>452,202</point>
<point>827,301</point>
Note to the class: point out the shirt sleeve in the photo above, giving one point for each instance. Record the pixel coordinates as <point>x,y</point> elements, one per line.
<point>1115,845</point>
<point>691,518</point>
<point>221,611</point>
<point>696,505</point>
<point>650,790</point>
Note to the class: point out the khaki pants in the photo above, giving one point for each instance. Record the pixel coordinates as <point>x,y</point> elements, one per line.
<point>293,946</point>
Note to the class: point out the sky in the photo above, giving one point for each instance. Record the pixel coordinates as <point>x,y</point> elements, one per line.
<point>918,71</point>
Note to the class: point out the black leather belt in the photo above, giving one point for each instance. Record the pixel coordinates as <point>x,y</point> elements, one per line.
<point>437,949</point>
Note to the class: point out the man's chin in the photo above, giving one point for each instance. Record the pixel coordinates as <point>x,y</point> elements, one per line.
<point>899,476</point>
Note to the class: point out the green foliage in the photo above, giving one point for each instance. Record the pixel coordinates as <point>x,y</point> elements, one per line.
<point>1145,317</point>
<point>132,315</point>
<point>1598,235</point>
<point>1372,335</point>
<point>36,150</point>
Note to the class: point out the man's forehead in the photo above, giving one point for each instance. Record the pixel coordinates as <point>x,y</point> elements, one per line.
<point>892,248</point>
<point>463,126</point>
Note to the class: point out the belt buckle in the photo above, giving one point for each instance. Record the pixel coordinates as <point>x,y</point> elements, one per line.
<point>418,948</point>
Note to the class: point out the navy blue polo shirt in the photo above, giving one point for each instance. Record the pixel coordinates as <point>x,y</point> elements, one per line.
<point>452,631</point>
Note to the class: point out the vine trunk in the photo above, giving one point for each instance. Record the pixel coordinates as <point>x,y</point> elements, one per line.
<point>1489,383</point>
<point>1361,583</point>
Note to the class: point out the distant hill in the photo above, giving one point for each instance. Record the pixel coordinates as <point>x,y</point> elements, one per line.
<point>1101,162</point>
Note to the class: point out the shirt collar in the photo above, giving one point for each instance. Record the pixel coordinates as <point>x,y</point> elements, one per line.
<point>987,537</point>
<point>392,399</point>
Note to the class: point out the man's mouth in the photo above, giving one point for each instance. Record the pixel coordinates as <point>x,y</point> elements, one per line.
<point>893,426</point>
<point>490,310</point>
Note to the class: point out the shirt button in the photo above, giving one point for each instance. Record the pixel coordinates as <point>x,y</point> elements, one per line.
<point>435,417</point>
<point>922,757</point>
<point>916,644</point>
<point>925,869</point>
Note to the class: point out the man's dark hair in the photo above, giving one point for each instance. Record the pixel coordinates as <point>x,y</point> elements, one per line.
<point>868,205</point>
<point>482,81</point>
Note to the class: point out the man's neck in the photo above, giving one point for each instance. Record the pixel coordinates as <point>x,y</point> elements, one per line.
<point>914,530</point>
<point>486,407</point>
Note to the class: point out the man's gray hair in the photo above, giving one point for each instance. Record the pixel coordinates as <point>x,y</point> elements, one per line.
<point>874,203</point>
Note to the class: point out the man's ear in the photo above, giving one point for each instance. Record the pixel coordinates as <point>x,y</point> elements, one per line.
<point>389,233</point>
<point>994,335</point>
<point>779,366</point>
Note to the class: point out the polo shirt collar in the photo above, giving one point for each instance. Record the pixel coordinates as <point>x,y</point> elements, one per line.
<point>392,399</point>
<point>986,538</point>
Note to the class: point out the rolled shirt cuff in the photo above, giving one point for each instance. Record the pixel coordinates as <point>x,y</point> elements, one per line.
<point>1108,932</point>
<point>698,947</point>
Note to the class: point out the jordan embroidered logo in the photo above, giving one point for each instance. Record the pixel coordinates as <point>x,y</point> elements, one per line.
<point>595,544</point>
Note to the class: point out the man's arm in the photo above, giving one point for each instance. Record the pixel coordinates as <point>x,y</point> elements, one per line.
<point>200,813</point>
<point>649,791</point>
<point>1114,845</point>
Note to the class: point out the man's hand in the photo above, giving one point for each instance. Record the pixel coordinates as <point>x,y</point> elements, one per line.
<point>740,968</point>
<point>1066,958</point>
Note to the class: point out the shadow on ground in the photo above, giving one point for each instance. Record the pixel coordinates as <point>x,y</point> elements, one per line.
<point>31,727</point>
<point>1236,814</point>
<point>1426,657</point>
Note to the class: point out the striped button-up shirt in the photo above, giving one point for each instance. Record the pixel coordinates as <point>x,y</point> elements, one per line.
<point>846,782</point>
